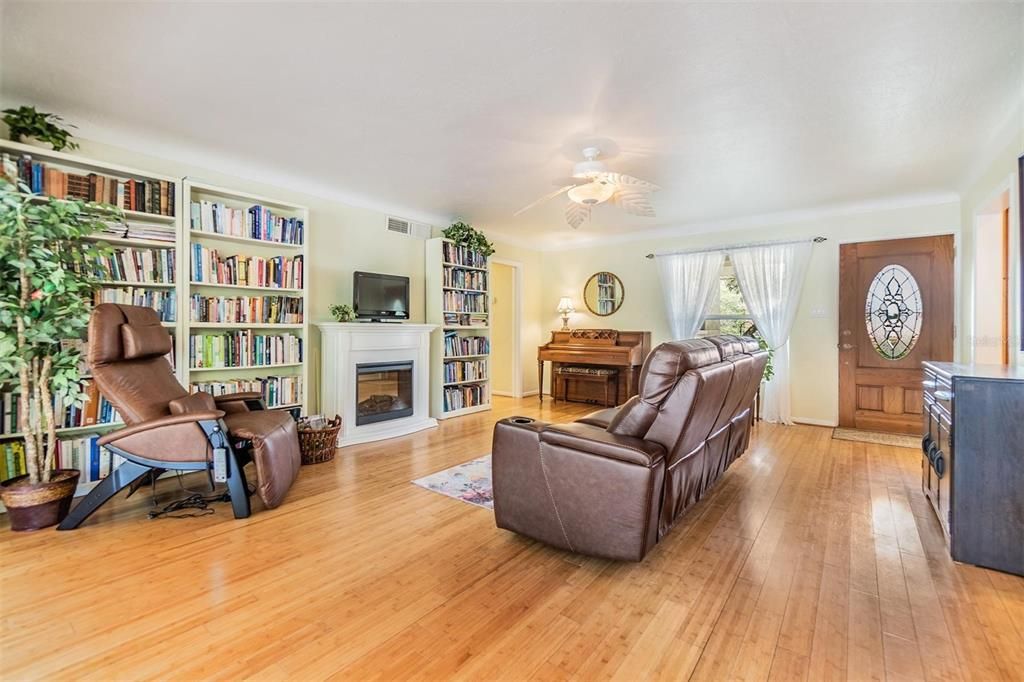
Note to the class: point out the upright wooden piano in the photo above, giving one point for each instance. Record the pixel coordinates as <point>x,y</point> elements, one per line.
<point>624,351</point>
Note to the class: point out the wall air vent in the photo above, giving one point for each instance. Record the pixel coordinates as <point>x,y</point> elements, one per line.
<point>408,228</point>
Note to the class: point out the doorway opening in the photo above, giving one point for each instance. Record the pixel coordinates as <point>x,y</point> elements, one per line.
<point>990,341</point>
<point>506,320</point>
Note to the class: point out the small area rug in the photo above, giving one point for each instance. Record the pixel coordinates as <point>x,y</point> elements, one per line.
<point>469,482</point>
<point>900,440</point>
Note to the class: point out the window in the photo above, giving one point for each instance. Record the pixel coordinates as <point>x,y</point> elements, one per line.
<point>728,312</point>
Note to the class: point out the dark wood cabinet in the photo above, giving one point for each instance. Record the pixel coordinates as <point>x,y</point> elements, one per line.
<point>972,469</point>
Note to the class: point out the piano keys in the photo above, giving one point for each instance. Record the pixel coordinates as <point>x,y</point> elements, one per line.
<point>625,351</point>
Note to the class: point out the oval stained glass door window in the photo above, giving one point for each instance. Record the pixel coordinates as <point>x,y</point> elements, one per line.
<point>892,312</point>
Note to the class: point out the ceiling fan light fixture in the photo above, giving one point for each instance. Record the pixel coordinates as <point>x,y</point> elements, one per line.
<point>588,169</point>
<point>592,193</point>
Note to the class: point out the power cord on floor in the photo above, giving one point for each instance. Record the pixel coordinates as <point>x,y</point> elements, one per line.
<point>198,502</point>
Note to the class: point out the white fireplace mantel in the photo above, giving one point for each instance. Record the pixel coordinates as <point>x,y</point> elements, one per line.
<point>343,345</point>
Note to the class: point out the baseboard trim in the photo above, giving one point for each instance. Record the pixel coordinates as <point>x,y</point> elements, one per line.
<point>815,422</point>
<point>526,394</point>
<point>506,394</point>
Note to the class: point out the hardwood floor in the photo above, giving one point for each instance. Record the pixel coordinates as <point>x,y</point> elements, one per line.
<point>811,559</point>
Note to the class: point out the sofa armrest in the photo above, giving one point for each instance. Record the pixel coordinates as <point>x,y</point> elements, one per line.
<point>233,402</point>
<point>597,441</point>
<point>233,397</point>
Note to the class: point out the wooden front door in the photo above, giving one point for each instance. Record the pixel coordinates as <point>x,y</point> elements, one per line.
<point>895,310</point>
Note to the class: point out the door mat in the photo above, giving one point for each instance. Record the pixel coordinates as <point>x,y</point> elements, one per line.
<point>900,440</point>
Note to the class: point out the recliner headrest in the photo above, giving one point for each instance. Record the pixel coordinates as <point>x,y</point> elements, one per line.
<point>671,360</point>
<point>118,333</point>
<point>731,344</point>
<point>728,344</point>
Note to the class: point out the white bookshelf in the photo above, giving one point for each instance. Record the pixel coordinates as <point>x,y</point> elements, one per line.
<point>73,163</point>
<point>437,287</point>
<point>243,246</point>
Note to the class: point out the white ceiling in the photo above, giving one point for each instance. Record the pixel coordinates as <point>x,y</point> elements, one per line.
<point>437,110</point>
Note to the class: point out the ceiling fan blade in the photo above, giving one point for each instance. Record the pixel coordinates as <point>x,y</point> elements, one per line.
<point>629,182</point>
<point>634,202</point>
<point>543,199</point>
<point>576,214</point>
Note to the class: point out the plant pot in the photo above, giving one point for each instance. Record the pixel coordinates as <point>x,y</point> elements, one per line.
<point>33,142</point>
<point>31,507</point>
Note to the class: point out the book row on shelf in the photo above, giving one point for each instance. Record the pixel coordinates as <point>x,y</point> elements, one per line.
<point>465,370</point>
<point>83,453</point>
<point>95,410</point>
<point>256,222</point>
<point>145,196</point>
<point>279,272</point>
<point>157,232</point>
<point>460,302</point>
<point>247,309</point>
<point>164,302</point>
<point>465,319</point>
<point>243,348</point>
<point>460,255</point>
<point>150,266</point>
<point>456,346</point>
<point>461,397</point>
<point>276,390</point>
<point>465,279</point>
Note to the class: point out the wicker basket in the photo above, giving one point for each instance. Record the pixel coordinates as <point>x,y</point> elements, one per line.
<point>317,445</point>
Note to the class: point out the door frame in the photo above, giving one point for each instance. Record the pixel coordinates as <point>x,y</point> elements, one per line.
<point>957,292</point>
<point>1007,184</point>
<point>517,326</point>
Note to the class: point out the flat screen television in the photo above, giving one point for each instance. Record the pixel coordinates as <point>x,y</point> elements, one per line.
<point>380,297</point>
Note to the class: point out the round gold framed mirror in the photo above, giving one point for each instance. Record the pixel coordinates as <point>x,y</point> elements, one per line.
<point>603,294</point>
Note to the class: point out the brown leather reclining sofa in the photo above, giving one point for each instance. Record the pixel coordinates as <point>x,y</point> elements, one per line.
<point>613,483</point>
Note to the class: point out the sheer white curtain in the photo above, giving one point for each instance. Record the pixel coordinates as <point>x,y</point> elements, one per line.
<point>688,281</point>
<point>771,278</point>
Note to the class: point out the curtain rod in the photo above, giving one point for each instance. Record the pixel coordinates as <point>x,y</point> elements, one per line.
<point>734,247</point>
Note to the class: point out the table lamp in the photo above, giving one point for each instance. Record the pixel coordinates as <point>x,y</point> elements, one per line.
<point>565,307</point>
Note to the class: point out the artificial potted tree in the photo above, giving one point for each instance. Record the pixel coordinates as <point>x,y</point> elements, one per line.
<point>47,274</point>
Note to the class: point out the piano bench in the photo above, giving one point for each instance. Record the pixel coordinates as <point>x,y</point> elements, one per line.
<point>601,375</point>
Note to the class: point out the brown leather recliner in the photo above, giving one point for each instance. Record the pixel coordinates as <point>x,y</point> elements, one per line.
<point>613,483</point>
<point>169,429</point>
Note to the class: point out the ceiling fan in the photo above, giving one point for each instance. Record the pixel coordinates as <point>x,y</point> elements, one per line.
<point>592,183</point>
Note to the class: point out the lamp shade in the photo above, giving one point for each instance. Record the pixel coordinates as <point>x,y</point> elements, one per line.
<point>565,305</point>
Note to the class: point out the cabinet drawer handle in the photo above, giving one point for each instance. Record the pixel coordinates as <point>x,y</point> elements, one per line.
<point>944,395</point>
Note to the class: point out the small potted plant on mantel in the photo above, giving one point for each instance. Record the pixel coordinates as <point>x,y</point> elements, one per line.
<point>46,280</point>
<point>26,122</point>
<point>464,234</point>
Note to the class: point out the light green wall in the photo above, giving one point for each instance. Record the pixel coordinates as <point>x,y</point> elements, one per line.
<point>345,238</point>
<point>815,358</point>
<point>502,327</point>
<point>999,173</point>
<point>342,239</point>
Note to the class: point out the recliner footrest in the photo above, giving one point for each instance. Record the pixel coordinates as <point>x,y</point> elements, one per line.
<point>275,450</point>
